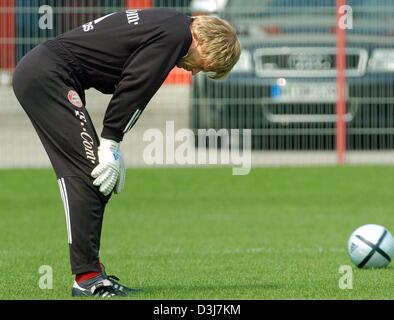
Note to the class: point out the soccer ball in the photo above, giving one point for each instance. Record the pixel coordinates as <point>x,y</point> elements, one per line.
<point>371,246</point>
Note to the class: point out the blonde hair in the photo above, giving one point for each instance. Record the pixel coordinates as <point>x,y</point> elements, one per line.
<point>220,45</point>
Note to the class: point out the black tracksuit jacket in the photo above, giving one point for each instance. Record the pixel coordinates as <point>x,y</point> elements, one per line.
<point>127,54</point>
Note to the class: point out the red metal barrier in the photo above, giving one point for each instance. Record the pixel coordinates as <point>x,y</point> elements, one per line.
<point>7,34</point>
<point>179,76</point>
<point>139,4</point>
<point>341,88</point>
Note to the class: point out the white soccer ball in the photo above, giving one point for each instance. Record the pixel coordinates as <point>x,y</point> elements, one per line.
<point>371,246</point>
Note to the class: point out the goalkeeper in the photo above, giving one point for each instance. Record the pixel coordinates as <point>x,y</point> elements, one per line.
<point>126,54</point>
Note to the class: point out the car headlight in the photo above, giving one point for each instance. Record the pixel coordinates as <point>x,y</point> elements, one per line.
<point>207,6</point>
<point>381,60</point>
<point>244,63</point>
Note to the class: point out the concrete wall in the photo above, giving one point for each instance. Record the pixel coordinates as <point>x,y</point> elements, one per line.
<point>21,147</point>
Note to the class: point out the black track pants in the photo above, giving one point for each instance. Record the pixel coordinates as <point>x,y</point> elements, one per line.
<point>51,95</point>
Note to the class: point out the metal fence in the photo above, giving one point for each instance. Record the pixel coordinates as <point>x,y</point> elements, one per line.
<point>286,87</point>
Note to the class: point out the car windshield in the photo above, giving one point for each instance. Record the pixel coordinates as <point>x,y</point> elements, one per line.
<point>325,5</point>
<point>369,16</point>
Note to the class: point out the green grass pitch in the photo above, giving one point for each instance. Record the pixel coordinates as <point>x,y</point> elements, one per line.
<point>201,233</point>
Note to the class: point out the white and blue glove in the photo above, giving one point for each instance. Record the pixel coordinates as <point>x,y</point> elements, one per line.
<point>110,172</point>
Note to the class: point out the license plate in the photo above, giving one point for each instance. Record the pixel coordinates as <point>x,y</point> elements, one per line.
<point>305,92</point>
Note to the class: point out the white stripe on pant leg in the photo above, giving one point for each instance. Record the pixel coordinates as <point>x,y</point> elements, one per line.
<point>63,193</point>
<point>66,208</point>
<point>133,119</point>
<point>67,212</point>
<point>64,204</point>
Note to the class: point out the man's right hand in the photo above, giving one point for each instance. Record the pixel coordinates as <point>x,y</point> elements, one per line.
<point>106,173</point>
<point>122,175</point>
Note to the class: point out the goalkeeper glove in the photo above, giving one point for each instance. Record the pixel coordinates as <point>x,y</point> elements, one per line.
<point>122,175</point>
<point>110,172</point>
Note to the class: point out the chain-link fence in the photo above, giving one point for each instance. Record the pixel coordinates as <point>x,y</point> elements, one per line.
<point>285,87</point>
